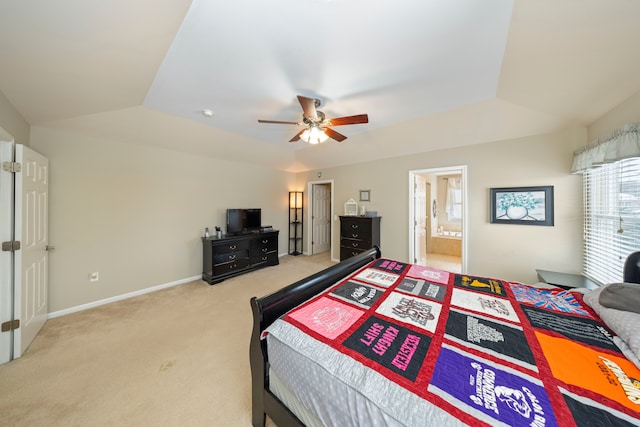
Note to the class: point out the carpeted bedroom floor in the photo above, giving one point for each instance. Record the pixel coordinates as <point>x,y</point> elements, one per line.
<point>179,356</point>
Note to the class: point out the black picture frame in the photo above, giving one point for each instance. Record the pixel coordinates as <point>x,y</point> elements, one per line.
<point>522,205</point>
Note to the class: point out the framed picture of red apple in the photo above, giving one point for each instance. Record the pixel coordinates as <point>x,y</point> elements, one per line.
<point>522,205</point>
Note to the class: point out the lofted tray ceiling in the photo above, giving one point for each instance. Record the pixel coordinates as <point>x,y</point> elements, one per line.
<point>143,71</point>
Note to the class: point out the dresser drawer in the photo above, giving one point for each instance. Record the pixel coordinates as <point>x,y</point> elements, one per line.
<point>221,258</point>
<point>355,244</point>
<point>232,246</point>
<point>354,224</point>
<point>265,244</point>
<point>357,234</point>
<point>349,252</point>
<point>229,267</point>
<point>270,258</point>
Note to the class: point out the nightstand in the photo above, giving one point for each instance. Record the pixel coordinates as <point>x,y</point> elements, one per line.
<point>566,280</point>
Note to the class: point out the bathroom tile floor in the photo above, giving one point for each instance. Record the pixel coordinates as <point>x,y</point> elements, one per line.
<point>444,262</point>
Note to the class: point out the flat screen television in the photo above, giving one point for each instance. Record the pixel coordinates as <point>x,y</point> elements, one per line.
<point>253,219</point>
<point>243,220</point>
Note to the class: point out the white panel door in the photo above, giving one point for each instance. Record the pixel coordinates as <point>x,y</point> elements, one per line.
<point>420,215</point>
<point>31,261</point>
<point>321,219</point>
<point>6,258</point>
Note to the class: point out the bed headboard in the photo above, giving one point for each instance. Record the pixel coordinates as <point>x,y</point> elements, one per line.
<point>632,268</point>
<point>268,308</point>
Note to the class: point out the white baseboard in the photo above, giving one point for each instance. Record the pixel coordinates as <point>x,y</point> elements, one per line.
<point>120,297</point>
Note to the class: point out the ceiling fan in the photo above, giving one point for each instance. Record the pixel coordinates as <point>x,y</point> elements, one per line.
<point>317,125</point>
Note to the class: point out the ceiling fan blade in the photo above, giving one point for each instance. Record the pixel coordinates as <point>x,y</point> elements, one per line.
<point>297,137</point>
<point>334,135</point>
<point>349,120</point>
<point>278,122</point>
<point>308,107</point>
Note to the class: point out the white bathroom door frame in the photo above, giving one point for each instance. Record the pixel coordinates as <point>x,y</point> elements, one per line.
<point>421,220</point>
<point>462,170</point>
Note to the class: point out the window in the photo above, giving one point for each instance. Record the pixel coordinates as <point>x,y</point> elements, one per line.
<point>611,218</point>
<point>453,206</point>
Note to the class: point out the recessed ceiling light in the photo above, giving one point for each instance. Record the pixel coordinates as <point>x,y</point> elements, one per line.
<point>207,113</point>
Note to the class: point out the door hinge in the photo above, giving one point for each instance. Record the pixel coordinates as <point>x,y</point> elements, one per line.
<point>10,325</point>
<point>11,246</point>
<point>12,167</point>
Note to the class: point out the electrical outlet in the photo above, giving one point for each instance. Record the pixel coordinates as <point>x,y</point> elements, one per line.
<point>93,277</point>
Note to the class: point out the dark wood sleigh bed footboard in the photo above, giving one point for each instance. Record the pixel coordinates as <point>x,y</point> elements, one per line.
<point>269,308</point>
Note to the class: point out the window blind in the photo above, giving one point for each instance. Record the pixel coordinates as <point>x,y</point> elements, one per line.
<point>612,218</point>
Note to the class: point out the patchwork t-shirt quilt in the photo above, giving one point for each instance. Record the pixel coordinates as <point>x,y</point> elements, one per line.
<point>487,351</point>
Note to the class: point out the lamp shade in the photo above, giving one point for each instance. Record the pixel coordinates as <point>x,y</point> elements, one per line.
<point>295,199</point>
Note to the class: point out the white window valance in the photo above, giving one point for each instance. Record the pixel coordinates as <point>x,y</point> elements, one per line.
<point>622,144</point>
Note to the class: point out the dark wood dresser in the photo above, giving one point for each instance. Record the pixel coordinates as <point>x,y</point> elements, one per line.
<point>357,234</point>
<point>230,256</point>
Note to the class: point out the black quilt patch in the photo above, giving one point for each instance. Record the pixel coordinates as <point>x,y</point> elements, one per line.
<point>358,293</point>
<point>422,288</point>
<point>576,328</point>
<point>390,345</point>
<point>480,284</point>
<point>390,266</point>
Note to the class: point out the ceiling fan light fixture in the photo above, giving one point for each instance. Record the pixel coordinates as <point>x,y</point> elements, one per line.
<point>314,135</point>
<point>318,127</point>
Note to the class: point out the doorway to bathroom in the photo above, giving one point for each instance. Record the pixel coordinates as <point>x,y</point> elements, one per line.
<point>438,218</point>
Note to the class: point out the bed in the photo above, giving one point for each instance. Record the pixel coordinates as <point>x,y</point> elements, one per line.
<point>374,341</point>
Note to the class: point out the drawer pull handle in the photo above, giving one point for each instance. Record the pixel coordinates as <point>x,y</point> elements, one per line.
<point>264,258</point>
<point>354,234</point>
<point>232,257</point>
<point>232,247</point>
<point>354,226</point>
<point>265,249</point>
<point>265,241</point>
<point>355,245</point>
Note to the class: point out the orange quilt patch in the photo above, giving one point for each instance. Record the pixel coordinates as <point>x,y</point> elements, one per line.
<point>583,366</point>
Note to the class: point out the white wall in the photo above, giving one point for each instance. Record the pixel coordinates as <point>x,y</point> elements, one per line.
<point>12,122</point>
<point>626,112</point>
<point>136,214</point>
<point>505,251</point>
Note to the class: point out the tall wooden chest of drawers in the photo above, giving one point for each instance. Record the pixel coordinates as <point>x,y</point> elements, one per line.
<point>357,234</point>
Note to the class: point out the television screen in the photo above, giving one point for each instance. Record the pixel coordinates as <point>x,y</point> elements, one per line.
<point>253,219</point>
<point>235,221</point>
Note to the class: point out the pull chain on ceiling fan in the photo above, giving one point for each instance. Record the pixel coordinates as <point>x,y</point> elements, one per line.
<point>317,128</point>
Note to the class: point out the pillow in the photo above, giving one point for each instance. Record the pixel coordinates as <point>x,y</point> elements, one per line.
<point>621,296</point>
<point>622,323</point>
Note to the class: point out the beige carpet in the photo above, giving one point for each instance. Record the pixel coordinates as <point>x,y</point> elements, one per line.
<point>178,356</point>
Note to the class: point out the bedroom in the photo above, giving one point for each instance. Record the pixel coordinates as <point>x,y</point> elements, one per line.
<point>111,191</point>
